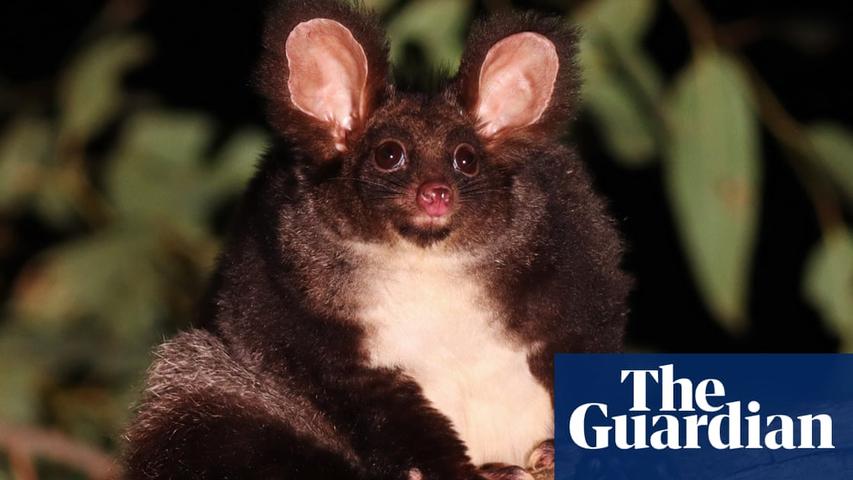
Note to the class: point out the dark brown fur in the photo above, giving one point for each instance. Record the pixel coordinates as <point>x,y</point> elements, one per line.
<point>277,383</point>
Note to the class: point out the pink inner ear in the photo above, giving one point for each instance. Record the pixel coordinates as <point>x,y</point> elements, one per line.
<point>516,82</point>
<point>328,74</point>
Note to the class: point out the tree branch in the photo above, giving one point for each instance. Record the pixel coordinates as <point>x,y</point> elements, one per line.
<point>25,443</point>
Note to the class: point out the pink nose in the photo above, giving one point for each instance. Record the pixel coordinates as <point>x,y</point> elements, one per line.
<point>435,198</point>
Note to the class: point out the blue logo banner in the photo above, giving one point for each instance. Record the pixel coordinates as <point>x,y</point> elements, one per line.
<point>703,417</point>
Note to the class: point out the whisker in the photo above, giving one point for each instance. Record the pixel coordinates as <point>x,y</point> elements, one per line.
<point>479,182</point>
<point>397,183</point>
<point>382,197</point>
<point>388,187</point>
<point>468,190</point>
<point>479,194</point>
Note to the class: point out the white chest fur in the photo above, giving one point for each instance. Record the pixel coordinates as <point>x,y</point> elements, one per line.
<point>426,315</point>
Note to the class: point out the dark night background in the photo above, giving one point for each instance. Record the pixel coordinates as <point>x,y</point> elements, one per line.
<point>204,54</point>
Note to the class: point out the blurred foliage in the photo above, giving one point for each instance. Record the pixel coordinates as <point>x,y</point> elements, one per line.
<point>135,219</point>
<point>437,25</point>
<point>713,177</point>
<point>131,189</point>
<point>833,146</point>
<point>828,283</point>
<point>622,88</point>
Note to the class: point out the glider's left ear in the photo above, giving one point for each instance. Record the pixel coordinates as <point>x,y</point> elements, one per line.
<point>323,72</point>
<point>518,72</point>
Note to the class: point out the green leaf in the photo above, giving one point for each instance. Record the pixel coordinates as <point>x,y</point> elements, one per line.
<point>53,201</point>
<point>29,174</point>
<point>834,147</point>
<point>713,177</point>
<point>89,413</point>
<point>624,125</point>
<point>114,278</point>
<point>41,376</point>
<point>237,161</point>
<point>436,25</point>
<point>162,173</point>
<point>23,370</point>
<point>621,83</point>
<point>90,93</point>
<point>828,283</point>
<point>155,175</point>
<point>623,21</point>
<point>622,114</point>
<point>25,152</point>
<point>379,6</point>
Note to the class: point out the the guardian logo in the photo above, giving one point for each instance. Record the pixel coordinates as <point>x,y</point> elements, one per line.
<point>701,417</point>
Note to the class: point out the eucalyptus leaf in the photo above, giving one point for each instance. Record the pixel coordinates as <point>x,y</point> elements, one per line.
<point>163,173</point>
<point>155,174</point>
<point>623,21</point>
<point>436,25</point>
<point>24,372</point>
<point>37,364</point>
<point>90,413</point>
<point>625,127</point>
<point>236,162</point>
<point>834,146</point>
<point>643,76</point>
<point>625,118</point>
<point>379,6</point>
<point>53,201</point>
<point>25,154</point>
<point>713,178</point>
<point>113,279</point>
<point>90,93</point>
<point>828,283</point>
<point>621,83</point>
